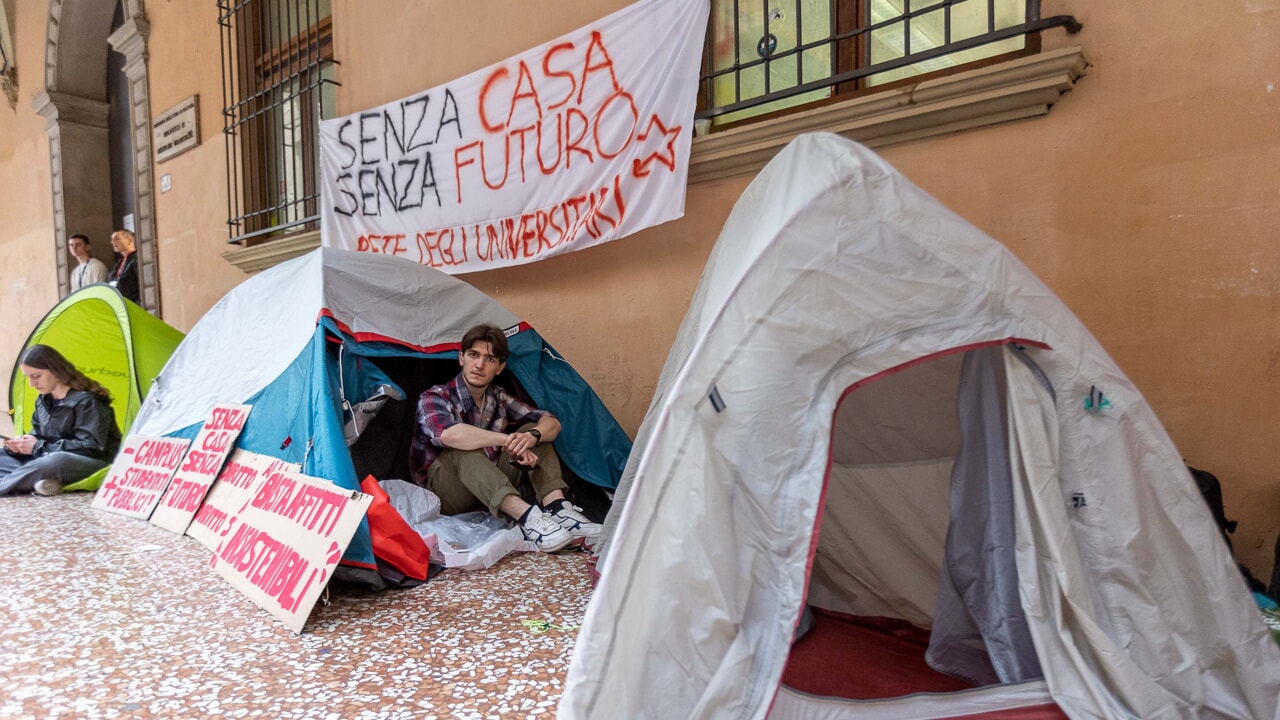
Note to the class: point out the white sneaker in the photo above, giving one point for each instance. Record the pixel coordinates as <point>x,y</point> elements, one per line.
<point>571,518</point>
<point>48,486</point>
<point>544,531</point>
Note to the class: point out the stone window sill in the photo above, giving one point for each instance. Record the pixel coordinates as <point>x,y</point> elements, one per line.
<point>269,254</point>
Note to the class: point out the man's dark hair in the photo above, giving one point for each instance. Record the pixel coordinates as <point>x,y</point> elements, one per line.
<point>81,236</point>
<point>487,333</point>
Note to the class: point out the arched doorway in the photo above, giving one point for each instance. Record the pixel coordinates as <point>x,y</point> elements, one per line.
<point>78,108</point>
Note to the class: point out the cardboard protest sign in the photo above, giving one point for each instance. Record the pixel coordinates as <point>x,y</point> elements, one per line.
<point>200,467</point>
<point>285,543</point>
<point>139,475</point>
<point>577,142</point>
<point>236,485</point>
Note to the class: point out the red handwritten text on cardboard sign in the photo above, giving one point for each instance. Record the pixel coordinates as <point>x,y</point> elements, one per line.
<point>202,463</point>
<point>137,487</point>
<point>159,454</point>
<point>143,479</point>
<point>227,418</point>
<point>270,565</point>
<point>139,475</point>
<point>234,474</point>
<point>211,517</point>
<point>239,475</point>
<point>129,500</point>
<point>217,441</point>
<point>285,538</point>
<point>314,508</point>
<point>185,495</point>
<point>181,502</point>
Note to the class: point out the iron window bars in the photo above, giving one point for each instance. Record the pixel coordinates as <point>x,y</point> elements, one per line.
<point>757,50</point>
<point>277,83</point>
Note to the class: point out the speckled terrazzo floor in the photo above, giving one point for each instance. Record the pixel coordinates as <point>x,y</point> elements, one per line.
<point>108,617</point>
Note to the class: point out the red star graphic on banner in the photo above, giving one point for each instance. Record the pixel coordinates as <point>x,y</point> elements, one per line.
<point>666,155</point>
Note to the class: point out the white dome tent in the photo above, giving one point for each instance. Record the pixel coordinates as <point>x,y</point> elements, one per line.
<point>873,408</point>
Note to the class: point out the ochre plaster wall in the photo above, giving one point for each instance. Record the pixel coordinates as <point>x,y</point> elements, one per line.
<point>1147,200</point>
<point>26,201</point>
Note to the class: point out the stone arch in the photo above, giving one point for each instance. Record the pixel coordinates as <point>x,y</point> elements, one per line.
<point>74,104</point>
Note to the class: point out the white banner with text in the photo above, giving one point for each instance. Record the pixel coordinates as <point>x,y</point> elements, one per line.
<point>577,142</point>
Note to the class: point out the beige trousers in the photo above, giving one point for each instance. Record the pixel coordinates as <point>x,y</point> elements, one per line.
<point>467,480</point>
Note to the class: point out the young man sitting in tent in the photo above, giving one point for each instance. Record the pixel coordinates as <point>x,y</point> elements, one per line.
<point>472,439</point>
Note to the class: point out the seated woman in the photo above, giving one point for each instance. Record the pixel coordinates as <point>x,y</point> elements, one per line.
<point>73,429</point>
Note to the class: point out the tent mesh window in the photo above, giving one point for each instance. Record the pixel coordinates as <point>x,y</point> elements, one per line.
<point>277,84</point>
<point>766,56</point>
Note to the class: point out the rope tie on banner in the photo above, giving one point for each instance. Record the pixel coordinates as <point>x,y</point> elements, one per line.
<point>538,627</point>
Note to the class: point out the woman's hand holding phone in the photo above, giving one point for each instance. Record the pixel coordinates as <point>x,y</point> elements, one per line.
<point>22,445</point>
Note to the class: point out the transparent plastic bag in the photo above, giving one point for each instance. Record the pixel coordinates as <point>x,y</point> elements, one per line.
<point>414,503</point>
<point>468,530</point>
<point>470,541</point>
<point>474,540</point>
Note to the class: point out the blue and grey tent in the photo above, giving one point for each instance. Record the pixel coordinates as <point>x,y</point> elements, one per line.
<point>308,341</point>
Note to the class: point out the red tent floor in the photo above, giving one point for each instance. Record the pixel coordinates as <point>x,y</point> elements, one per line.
<point>867,658</point>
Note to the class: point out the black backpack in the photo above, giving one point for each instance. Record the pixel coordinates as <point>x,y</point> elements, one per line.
<point>1211,491</point>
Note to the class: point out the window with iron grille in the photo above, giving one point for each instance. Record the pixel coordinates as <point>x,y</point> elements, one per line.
<point>278,83</point>
<point>765,56</point>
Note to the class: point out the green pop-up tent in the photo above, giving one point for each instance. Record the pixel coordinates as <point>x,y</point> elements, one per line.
<point>110,340</point>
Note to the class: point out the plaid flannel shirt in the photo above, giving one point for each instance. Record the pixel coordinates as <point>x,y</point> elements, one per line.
<point>444,406</point>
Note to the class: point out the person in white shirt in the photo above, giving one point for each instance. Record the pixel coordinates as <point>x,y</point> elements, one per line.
<point>90,270</point>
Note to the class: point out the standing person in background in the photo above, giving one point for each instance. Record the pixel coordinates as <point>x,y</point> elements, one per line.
<point>73,429</point>
<point>125,274</point>
<point>90,270</point>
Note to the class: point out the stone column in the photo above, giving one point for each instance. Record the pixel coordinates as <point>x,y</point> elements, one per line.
<point>130,40</point>
<point>81,171</point>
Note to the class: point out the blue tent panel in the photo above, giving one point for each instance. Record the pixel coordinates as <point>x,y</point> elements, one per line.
<point>298,418</point>
<point>592,444</point>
